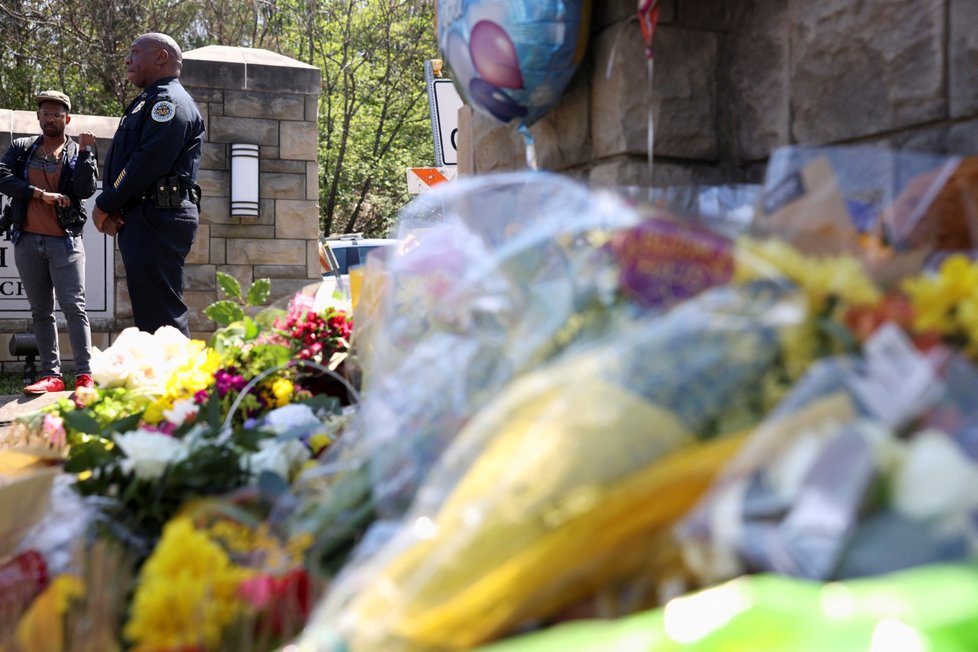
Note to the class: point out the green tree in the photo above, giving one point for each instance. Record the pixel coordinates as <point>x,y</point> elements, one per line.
<point>374,113</point>
<point>78,46</point>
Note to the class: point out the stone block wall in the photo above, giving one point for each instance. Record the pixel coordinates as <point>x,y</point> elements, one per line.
<point>255,97</point>
<point>736,79</point>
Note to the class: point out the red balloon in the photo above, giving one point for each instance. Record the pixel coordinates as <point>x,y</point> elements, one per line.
<point>494,55</point>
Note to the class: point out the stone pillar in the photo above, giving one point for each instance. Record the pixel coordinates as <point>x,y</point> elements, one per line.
<point>255,97</point>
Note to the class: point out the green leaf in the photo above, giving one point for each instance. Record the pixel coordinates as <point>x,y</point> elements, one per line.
<point>250,329</point>
<point>89,455</point>
<point>224,312</point>
<point>212,412</point>
<point>259,291</point>
<point>266,318</point>
<point>126,424</point>
<point>323,403</point>
<point>248,438</point>
<point>272,486</point>
<point>271,355</point>
<point>229,285</point>
<point>82,421</point>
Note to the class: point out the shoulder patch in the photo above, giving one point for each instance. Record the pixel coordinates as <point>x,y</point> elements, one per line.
<point>163,111</point>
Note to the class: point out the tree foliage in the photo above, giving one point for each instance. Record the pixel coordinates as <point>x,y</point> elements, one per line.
<point>373,118</point>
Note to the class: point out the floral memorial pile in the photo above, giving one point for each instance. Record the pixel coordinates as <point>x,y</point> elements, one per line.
<point>728,418</point>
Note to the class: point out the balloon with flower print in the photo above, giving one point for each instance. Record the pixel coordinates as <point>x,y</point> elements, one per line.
<point>513,59</point>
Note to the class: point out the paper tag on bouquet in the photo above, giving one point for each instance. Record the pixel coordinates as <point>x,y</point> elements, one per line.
<point>898,383</point>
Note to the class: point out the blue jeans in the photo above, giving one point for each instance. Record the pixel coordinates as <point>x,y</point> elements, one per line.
<point>52,266</point>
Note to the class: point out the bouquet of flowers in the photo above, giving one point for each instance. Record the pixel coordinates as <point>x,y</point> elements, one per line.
<point>515,490</point>
<point>178,458</point>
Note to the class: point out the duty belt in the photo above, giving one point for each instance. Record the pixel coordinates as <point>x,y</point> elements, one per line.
<point>168,193</point>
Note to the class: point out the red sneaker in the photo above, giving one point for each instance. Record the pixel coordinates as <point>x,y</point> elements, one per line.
<point>45,385</point>
<point>84,380</point>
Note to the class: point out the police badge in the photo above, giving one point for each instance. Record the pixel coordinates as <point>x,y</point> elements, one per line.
<point>163,111</point>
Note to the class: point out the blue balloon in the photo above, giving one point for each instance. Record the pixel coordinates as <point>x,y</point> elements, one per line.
<point>494,100</point>
<point>513,59</point>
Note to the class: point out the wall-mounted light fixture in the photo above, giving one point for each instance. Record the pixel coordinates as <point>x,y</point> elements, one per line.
<point>244,180</point>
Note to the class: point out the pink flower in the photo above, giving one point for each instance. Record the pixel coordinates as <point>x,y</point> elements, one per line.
<point>53,428</point>
<point>300,306</point>
<point>283,601</point>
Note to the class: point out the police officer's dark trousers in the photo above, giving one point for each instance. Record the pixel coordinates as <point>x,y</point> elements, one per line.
<point>154,243</point>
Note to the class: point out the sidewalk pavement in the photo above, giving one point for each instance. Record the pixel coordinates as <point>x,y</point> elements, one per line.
<point>16,405</point>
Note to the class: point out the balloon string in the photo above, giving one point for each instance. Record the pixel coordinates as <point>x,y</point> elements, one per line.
<point>651,132</point>
<point>531,147</point>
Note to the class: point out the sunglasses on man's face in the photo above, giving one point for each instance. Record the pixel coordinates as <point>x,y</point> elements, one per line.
<point>57,115</point>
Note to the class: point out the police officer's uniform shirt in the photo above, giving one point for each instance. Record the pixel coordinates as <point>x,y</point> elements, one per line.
<point>161,133</point>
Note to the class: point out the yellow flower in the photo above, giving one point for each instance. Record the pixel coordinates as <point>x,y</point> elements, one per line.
<point>941,301</point>
<point>282,389</point>
<point>236,537</point>
<point>187,592</point>
<point>318,442</point>
<point>839,277</point>
<point>41,629</point>
<point>968,318</point>
<point>154,411</point>
<point>194,375</point>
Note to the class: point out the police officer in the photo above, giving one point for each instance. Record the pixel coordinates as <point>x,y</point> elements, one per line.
<point>150,195</point>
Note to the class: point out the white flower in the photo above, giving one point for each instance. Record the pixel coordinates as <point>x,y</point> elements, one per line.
<point>182,411</point>
<point>293,415</point>
<point>171,343</point>
<point>139,360</point>
<point>937,478</point>
<point>148,453</point>
<point>281,458</point>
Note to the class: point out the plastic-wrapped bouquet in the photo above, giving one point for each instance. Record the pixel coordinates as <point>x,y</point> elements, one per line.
<point>867,467</point>
<point>175,422</point>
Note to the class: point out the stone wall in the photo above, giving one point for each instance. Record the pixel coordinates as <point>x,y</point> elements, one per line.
<point>256,97</point>
<point>735,79</point>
